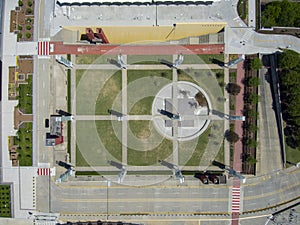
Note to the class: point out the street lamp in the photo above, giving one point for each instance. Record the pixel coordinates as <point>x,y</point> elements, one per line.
<point>107,185</point>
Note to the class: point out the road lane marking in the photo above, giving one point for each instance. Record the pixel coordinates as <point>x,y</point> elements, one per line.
<point>272,192</point>
<point>145,200</point>
<point>144,187</point>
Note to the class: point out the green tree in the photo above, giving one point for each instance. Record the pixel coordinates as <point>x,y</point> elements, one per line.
<point>253,128</point>
<point>289,59</point>
<point>28,10</point>
<point>233,88</point>
<point>251,159</point>
<point>253,113</point>
<point>253,98</point>
<point>253,81</point>
<point>255,64</point>
<point>28,20</point>
<point>28,35</point>
<point>231,136</point>
<point>284,13</point>
<point>20,3</point>
<point>19,35</point>
<point>290,78</point>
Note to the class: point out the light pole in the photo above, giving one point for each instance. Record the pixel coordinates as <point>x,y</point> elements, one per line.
<point>107,185</point>
<point>156,14</point>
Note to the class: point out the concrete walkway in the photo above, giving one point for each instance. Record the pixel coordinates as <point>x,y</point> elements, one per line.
<point>269,152</point>
<point>146,67</point>
<point>19,118</point>
<point>73,111</point>
<point>175,108</point>
<point>124,112</point>
<point>226,111</point>
<point>144,117</point>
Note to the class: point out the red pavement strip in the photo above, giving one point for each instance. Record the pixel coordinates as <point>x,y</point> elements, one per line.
<point>238,146</point>
<point>239,106</point>
<point>77,49</point>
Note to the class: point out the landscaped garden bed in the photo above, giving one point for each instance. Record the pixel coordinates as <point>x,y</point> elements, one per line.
<point>22,20</point>
<point>24,142</point>
<point>5,201</point>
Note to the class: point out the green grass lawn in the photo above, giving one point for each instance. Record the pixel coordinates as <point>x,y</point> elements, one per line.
<point>152,146</point>
<point>151,157</point>
<point>220,156</point>
<point>25,96</point>
<point>5,201</point>
<point>80,160</point>
<point>142,107</point>
<point>94,59</point>
<point>108,94</point>
<point>147,59</point>
<point>203,59</point>
<point>200,148</point>
<point>109,139</point>
<point>79,74</point>
<point>292,155</point>
<point>189,76</point>
<point>137,74</point>
<point>24,142</point>
<point>140,128</point>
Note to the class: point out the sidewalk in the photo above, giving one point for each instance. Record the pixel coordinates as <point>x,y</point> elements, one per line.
<point>239,106</point>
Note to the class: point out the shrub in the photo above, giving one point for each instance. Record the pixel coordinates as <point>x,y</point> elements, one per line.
<point>255,64</point>
<point>20,3</point>
<point>231,136</point>
<point>253,81</point>
<point>28,27</point>
<point>28,35</point>
<point>28,20</point>
<point>29,3</point>
<point>251,159</point>
<point>233,88</point>
<point>200,99</point>
<point>19,35</point>
<point>20,27</point>
<point>28,10</point>
<point>251,143</point>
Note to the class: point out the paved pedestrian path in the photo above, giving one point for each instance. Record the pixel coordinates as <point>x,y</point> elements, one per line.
<point>19,118</point>
<point>124,112</point>
<point>239,106</point>
<point>146,67</point>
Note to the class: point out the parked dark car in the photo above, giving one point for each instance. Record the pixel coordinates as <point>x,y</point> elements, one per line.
<point>202,177</point>
<point>214,179</point>
<point>46,123</point>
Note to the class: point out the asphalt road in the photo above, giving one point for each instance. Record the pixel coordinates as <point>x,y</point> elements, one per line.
<point>79,198</point>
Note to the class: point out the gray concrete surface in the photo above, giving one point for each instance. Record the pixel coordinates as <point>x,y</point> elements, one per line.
<point>269,145</point>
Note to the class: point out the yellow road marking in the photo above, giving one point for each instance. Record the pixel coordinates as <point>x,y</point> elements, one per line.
<point>271,193</point>
<point>143,187</point>
<point>119,200</point>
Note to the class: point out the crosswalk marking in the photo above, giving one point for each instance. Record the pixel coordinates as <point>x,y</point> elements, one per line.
<point>235,202</point>
<point>43,171</point>
<point>43,48</point>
